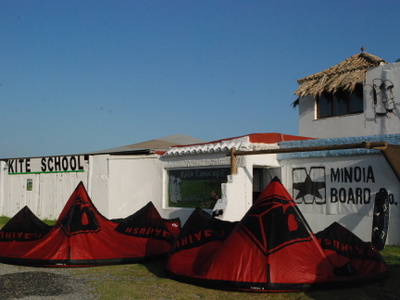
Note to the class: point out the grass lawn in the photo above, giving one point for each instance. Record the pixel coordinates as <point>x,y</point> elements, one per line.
<point>3,221</point>
<point>149,281</point>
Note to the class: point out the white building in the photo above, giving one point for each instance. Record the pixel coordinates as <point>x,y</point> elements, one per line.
<point>357,97</point>
<point>120,180</point>
<point>331,180</point>
<point>350,111</point>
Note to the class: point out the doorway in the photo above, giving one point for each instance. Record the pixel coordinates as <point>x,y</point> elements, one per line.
<point>262,176</point>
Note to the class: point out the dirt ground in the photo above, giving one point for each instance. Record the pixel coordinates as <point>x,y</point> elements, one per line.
<point>20,282</point>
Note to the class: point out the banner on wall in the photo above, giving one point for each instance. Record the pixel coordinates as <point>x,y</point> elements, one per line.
<point>73,163</point>
<point>343,187</point>
<point>196,187</point>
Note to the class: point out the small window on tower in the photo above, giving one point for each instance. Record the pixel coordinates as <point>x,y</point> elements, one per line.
<point>340,104</point>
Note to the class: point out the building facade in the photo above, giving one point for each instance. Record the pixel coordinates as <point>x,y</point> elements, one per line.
<point>358,97</point>
<point>345,155</point>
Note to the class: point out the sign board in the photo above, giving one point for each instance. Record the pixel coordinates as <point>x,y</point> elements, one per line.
<point>341,186</point>
<point>196,187</point>
<point>52,164</point>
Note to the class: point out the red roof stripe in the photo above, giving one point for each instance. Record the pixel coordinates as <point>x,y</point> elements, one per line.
<point>264,138</point>
<point>270,138</point>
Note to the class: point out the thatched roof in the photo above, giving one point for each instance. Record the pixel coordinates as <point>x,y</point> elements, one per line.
<point>341,77</point>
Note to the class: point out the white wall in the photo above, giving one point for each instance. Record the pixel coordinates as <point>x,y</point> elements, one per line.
<point>343,126</point>
<point>238,191</point>
<point>389,123</point>
<point>133,182</point>
<point>2,175</point>
<point>98,183</point>
<point>121,185</point>
<point>362,124</point>
<point>50,190</point>
<point>49,194</point>
<point>130,182</point>
<point>117,185</point>
<point>349,203</point>
<point>237,200</point>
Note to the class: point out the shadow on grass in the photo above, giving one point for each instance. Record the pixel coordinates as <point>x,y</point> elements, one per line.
<point>381,290</point>
<point>157,267</point>
<point>386,289</point>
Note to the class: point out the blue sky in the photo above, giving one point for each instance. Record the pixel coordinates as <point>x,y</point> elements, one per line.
<point>79,76</point>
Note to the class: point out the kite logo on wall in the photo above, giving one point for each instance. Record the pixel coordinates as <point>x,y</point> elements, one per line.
<point>81,219</point>
<point>309,186</point>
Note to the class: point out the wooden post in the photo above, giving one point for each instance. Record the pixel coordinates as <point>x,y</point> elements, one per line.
<point>233,161</point>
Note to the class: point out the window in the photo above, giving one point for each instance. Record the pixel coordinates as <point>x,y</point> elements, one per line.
<point>325,106</point>
<point>340,104</point>
<point>196,187</point>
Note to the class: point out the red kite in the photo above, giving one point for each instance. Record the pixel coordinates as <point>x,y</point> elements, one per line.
<point>83,237</point>
<point>272,249</point>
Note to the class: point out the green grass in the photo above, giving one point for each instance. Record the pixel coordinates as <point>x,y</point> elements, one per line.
<point>149,281</point>
<point>3,221</point>
<point>49,222</point>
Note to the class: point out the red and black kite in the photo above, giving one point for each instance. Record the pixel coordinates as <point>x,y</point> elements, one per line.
<point>24,226</point>
<point>272,249</point>
<point>83,237</point>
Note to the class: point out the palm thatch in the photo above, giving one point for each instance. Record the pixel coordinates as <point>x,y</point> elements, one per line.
<point>342,77</point>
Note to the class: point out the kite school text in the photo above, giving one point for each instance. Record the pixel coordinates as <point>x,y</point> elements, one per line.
<point>73,163</point>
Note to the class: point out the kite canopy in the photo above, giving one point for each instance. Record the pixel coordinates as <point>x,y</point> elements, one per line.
<point>271,249</point>
<point>24,226</point>
<point>83,237</point>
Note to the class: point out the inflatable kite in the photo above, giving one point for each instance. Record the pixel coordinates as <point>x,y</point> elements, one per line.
<point>81,236</point>
<point>24,226</point>
<point>272,249</point>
